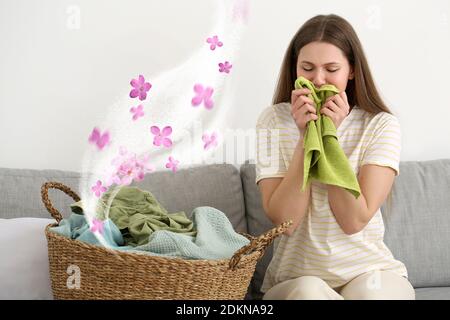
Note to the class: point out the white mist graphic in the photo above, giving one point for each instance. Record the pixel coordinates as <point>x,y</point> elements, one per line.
<point>168,103</point>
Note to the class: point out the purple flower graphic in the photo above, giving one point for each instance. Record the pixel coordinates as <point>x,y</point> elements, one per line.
<point>98,189</point>
<point>128,167</point>
<point>97,226</point>
<point>99,139</point>
<point>172,164</point>
<point>241,10</point>
<point>225,67</point>
<point>140,88</point>
<point>214,41</point>
<point>137,112</point>
<point>203,94</point>
<point>161,137</point>
<point>210,141</point>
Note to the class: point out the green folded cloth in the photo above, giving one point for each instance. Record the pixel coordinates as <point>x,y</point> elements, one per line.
<point>324,159</point>
<point>138,214</point>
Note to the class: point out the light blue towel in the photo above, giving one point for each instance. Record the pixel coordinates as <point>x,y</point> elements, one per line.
<point>215,239</point>
<point>76,227</point>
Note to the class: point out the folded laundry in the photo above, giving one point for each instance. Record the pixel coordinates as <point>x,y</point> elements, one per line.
<point>215,237</point>
<point>324,159</point>
<point>138,214</point>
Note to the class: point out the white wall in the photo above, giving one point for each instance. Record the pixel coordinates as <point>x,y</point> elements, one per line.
<point>59,79</point>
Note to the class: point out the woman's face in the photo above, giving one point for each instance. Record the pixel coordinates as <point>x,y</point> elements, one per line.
<point>324,63</point>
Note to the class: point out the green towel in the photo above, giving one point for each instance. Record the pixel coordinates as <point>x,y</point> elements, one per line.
<point>138,214</point>
<point>325,160</point>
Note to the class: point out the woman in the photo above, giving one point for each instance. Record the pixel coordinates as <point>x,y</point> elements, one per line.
<point>334,248</point>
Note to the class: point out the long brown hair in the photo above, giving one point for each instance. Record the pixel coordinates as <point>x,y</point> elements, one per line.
<point>361,90</point>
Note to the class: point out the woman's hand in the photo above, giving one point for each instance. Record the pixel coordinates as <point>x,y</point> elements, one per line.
<point>337,108</point>
<point>302,109</point>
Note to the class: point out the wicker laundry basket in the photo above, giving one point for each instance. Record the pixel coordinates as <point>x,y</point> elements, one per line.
<point>111,274</point>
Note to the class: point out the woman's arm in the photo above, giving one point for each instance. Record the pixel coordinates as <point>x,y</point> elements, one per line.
<point>288,202</point>
<point>352,214</point>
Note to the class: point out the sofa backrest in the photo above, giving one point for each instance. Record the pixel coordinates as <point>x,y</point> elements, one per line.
<point>417,220</point>
<point>20,192</point>
<point>218,186</point>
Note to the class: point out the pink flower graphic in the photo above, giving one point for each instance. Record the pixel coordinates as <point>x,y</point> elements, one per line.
<point>241,10</point>
<point>140,88</point>
<point>214,41</point>
<point>225,67</point>
<point>210,141</point>
<point>203,94</point>
<point>125,173</point>
<point>142,167</point>
<point>137,112</point>
<point>172,164</point>
<point>161,137</point>
<point>97,226</point>
<point>99,139</point>
<point>128,167</point>
<point>98,189</point>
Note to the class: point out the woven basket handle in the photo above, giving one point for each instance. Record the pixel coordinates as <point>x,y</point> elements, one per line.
<point>259,244</point>
<point>48,204</point>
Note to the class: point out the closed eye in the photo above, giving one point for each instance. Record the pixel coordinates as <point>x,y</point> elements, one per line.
<point>327,70</point>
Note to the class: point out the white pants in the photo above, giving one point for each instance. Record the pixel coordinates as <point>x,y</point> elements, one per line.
<point>373,285</point>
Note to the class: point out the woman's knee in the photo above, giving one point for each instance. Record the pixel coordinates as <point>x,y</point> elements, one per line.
<point>379,285</point>
<point>308,288</point>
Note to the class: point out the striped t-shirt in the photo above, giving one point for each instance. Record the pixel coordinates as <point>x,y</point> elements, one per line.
<point>318,246</point>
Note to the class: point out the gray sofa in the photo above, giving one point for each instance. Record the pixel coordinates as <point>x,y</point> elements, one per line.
<point>417,221</point>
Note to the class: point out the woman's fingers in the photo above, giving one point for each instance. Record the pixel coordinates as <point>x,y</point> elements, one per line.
<point>304,109</point>
<point>300,92</point>
<point>337,104</point>
<point>297,93</point>
<point>308,108</point>
<point>307,112</point>
<point>332,106</point>
<point>311,116</point>
<point>301,101</point>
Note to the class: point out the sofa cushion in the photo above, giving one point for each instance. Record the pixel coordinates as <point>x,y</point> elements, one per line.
<point>257,222</point>
<point>24,269</point>
<point>417,221</point>
<point>218,186</point>
<point>433,293</point>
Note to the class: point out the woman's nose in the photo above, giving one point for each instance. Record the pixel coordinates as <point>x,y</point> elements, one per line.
<point>318,79</point>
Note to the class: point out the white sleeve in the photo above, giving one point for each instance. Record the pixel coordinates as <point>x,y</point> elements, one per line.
<point>269,158</point>
<point>385,145</point>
